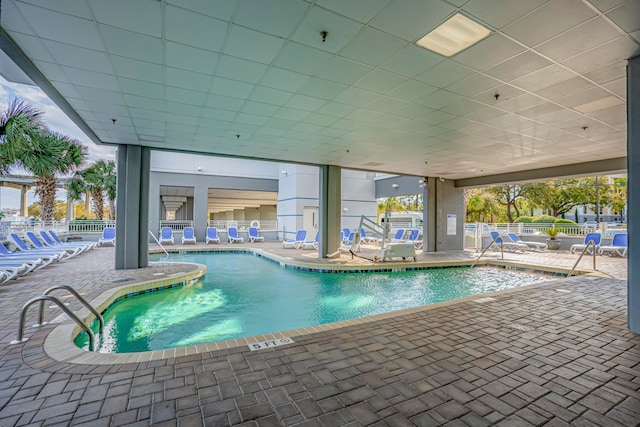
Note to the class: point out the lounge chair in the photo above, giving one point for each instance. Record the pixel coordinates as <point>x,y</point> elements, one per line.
<point>56,239</point>
<point>41,260</point>
<point>232,235</point>
<point>297,242</point>
<point>22,246</point>
<point>166,236</point>
<point>618,246</point>
<point>367,239</point>
<point>212,235</point>
<point>539,246</point>
<point>509,246</point>
<point>345,233</point>
<point>590,237</point>
<point>311,244</point>
<point>49,242</point>
<point>399,236</point>
<point>351,243</point>
<point>413,236</point>
<point>71,250</point>
<point>188,236</point>
<point>108,236</point>
<point>254,236</point>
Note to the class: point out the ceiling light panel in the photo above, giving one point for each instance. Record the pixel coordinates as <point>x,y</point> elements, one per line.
<point>454,35</point>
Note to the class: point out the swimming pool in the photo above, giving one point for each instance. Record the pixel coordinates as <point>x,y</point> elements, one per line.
<point>243,295</point>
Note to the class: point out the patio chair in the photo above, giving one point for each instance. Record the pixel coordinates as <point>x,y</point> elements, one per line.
<point>212,235</point>
<point>56,239</point>
<point>618,246</point>
<point>48,241</point>
<point>232,235</point>
<point>41,260</point>
<point>345,233</point>
<point>413,236</point>
<point>507,245</point>
<point>108,236</point>
<point>399,236</point>
<point>296,242</point>
<point>22,246</point>
<point>166,236</point>
<point>311,244</point>
<point>367,239</point>
<point>351,243</point>
<point>71,250</point>
<point>188,236</point>
<point>539,246</point>
<point>590,237</point>
<point>254,236</point>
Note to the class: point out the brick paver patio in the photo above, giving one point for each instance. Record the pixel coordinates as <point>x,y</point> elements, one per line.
<point>554,355</point>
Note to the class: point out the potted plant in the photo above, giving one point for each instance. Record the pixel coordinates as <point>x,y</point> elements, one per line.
<point>553,242</point>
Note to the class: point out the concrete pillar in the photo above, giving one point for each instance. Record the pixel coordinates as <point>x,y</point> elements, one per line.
<point>132,236</point>
<point>200,211</point>
<point>70,214</point>
<point>23,201</point>
<point>633,193</point>
<point>444,210</point>
<point>329,210</point>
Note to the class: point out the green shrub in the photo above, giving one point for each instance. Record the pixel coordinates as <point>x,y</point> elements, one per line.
<point>524,219</point>
<point>544,219</point>
<point>564,223</point>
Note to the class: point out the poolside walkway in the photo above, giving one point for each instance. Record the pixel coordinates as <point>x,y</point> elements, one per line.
<point>555,355</point>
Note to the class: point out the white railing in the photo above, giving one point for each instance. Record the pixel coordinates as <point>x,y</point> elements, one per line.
<point>89,225</point>
<point>21,227</point>
<point>176,224</point>
<point>263,225</point>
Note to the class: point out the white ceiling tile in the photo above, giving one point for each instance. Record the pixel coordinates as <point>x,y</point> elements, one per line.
<point>306,103</point>
<point>627,16</point>
<point>340,30</point>
<point>140,88</point>
<point>343,71</point>
<point>132,45</point>
<point>275,17</point>
<point>412,19</point>
<point>140,113</point>
<point>608,73</point>
<point>586,36</point>
<point>354,96</point>
<point>603,55</point>
<point>111,13</point>
<point>555,17</point>
<point>445,73</point>
<point>372,47</point>
<point>499,13</point>
<point>320,119</point>
<point>99,95</point>
<point>412,60</point>
<point>278,78</point>
<point>91,78</point>
<point>492,50</point>
<point>538,110</point>
<point>484,114</point>
<point>302,59</point>
<point>619,87</point>
<point>185,96</point>
<point>543,78</point>
<point>412,90</point>
<point>504,92</point>
<point>335,109</point>
<point>388,105</point>
<point>183,109</point>
<point>270,96</point>
<point>214,113</point>
<point>224,102</point>
<point>187,79</point>
<point>226,87</point>
<point>193,29</point>
<point>251,119</point>
<point>33,47</point>
<point>474,85</point>
<point>518,66</point>
<point>13,21</point>
<point>240,69</point>
<point>221,9</point>
<point>290,114</point>
<point>462,106</point>
<point>62,27</point>
<point>190,121</point>
<point>583,97</point>
<point>84,58</point>
<point>190,58</point>
<point>360,10</point>
<point>259,108</point>
<point>139,70</point>
<point>323,89</point>
<point>145,102</point>
<point>438,99</point>
<point>563,88</point>
<point>519,103</point>
<point>52,72</point>
<point>252,45</point>
<point>380,81</point>
<point>605,5</point>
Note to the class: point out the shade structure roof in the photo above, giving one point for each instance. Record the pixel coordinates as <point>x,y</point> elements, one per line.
<point>545,89</point>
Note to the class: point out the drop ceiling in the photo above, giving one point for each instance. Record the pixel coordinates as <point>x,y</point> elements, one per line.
<point>255,79</point>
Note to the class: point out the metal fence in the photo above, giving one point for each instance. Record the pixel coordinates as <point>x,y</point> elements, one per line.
<point>175,224</point>
<point>89,225</point>
<point>263,225</point>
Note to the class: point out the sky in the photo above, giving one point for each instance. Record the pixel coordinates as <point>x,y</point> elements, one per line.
<point>57,121</point>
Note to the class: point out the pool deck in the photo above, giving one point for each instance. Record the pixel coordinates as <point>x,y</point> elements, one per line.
<point>554,354</point>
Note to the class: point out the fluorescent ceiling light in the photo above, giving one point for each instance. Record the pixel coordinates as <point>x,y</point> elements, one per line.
<point>600,104</point>
<point>454,35</point>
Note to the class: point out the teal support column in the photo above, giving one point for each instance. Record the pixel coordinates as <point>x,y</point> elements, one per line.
<point>200,210</point>
<point>445,214</point>
<point>132,241</point>
<point>633,193</point>
<point>429,210</point>
<point>329,211</point>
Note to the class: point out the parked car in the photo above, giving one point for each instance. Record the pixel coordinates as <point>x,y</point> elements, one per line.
<point>590,225</point>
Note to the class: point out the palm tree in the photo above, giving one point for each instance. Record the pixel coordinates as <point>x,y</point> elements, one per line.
<point>45,156</point>
<point>96,179</point>
<point>20,125</point>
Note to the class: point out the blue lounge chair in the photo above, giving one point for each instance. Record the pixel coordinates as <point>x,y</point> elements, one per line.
<point>509,246</point>
<point>108,236</point>
<point>232,235</point>
<point>188,236</point>
<point>72,251</point>
<point>22,246</point>
<point>596,238</point>
<point>212,235</point>
<point>618,246</point>
<point>351,243</point>
<point>413,237</point>
<point>166,236</point>
<point>254,236</point>
<point>297,242</point>
<point>540,246</point>
<point>56,239</point>
<point>345,233</point>
<point>40,260</point>
<point>49,242</point>
<point>399,236</point>
<point>367,239</point>
<point>313,244</point>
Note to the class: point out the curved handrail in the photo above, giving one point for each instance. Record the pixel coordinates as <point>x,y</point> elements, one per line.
<point>77,295</point>
<point>487,248</point>
<point>589,243</point>
<point>158,242</point>
<point>23,315</point>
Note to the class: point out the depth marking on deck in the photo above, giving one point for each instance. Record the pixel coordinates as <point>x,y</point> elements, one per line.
<point>269,344</point>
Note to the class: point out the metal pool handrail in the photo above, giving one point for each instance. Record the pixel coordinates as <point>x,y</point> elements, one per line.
<point>158,242</point>
<point>487,248</point>
<point>589,243</point>
<point>77,295</point>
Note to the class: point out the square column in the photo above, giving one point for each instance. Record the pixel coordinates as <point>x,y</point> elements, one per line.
<point>132,238</point>
<point>444,211</point>
<point>200,210</point>
<point>329,211</point>
<point>633,193</point>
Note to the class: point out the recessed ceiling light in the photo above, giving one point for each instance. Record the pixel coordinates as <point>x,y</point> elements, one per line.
<point>454,35</point>
<point>600,104</point>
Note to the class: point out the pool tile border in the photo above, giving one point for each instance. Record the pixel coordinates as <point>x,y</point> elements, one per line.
<point>59,342</point>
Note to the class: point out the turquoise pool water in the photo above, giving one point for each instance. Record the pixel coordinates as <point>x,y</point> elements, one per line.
<point>243,295</point>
